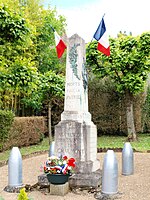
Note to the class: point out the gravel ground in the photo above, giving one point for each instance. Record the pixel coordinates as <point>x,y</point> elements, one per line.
<point>133,187</point>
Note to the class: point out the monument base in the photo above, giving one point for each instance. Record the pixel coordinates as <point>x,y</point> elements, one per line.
<point>78,140</point>
<point>87,166</point>
<point>86,180</point>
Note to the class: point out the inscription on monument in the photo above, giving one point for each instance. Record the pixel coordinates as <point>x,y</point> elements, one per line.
<point>73,94</point>
<point>73,97</point>
<point>73,84</point>
<point>68,141</point>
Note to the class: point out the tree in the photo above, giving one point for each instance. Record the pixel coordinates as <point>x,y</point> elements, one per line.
<point>27,51</point>
<point>128,67</point>
<point>46,51</point>
<point>51,86</point>
<point>14,53</point>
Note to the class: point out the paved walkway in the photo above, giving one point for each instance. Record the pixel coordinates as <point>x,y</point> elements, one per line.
<point>134,187</point>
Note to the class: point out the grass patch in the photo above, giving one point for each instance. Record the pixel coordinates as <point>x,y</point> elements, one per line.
<point>110,141</point>
<point>42,146</point>
<point>143,144</point>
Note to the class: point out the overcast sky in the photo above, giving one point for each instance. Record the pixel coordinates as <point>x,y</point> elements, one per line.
<point>84,16</point>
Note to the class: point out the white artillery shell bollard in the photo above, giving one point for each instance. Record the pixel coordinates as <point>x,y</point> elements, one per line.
<point>127,159</point>
<point>52,149</point>
<point>14,171</point>
<point>110,173</point>
<point>15,168</point>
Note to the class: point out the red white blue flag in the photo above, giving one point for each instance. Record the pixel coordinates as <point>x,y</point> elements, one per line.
<point>60,45</point>
<point>102,38</point>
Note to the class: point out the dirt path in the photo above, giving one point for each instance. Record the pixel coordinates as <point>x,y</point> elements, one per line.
<point>134,187</point>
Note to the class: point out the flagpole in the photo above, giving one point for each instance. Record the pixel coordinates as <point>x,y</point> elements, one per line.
<point>52,28</point>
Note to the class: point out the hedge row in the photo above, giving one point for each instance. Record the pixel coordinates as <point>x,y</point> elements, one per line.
<point>24,131</point>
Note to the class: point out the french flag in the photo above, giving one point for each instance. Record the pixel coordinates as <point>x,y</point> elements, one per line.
<point>60,45</point>
<point>102,38</point>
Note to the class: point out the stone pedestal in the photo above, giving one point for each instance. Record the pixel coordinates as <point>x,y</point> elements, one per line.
<point>78,140</point>
<point>59,190</point>
<point>86,180</point>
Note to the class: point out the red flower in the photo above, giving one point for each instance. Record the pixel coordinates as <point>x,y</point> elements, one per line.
<point>45,168</point>
<point>71,162</point>
<point>65,157</point>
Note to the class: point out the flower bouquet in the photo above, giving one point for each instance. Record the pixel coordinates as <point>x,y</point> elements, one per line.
<point>58,169</point>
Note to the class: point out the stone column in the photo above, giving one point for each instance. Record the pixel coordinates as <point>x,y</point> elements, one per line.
<point>76,98</point>
<point>76,134</point>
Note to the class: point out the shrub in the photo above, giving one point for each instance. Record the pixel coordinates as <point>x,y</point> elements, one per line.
<point>6,119</point>
<point>22,195</point>
<point>26,131</point>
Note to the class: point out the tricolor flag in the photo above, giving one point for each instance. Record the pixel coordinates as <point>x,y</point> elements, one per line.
<point>60,45</point>
<point>102,38</point>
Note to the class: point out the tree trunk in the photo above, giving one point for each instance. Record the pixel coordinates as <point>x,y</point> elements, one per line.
<point>130,117</point>
<point>49,123</point>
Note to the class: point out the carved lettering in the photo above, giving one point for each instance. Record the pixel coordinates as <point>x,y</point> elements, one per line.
<point>73,90</point>
<point>73,97</point>
<point>73,84</point>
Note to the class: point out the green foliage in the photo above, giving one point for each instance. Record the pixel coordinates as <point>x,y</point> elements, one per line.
<point>22,195</point>
<point>128,65</point>
<point>20,77</point>
<point>50,86</point>
<point>1,198</point>
<point>15,41</point>
<point>21,80</point>
<point>27,52</point>
<point>46,51</point>
<point>12,26</point>
<point>6,119</point>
